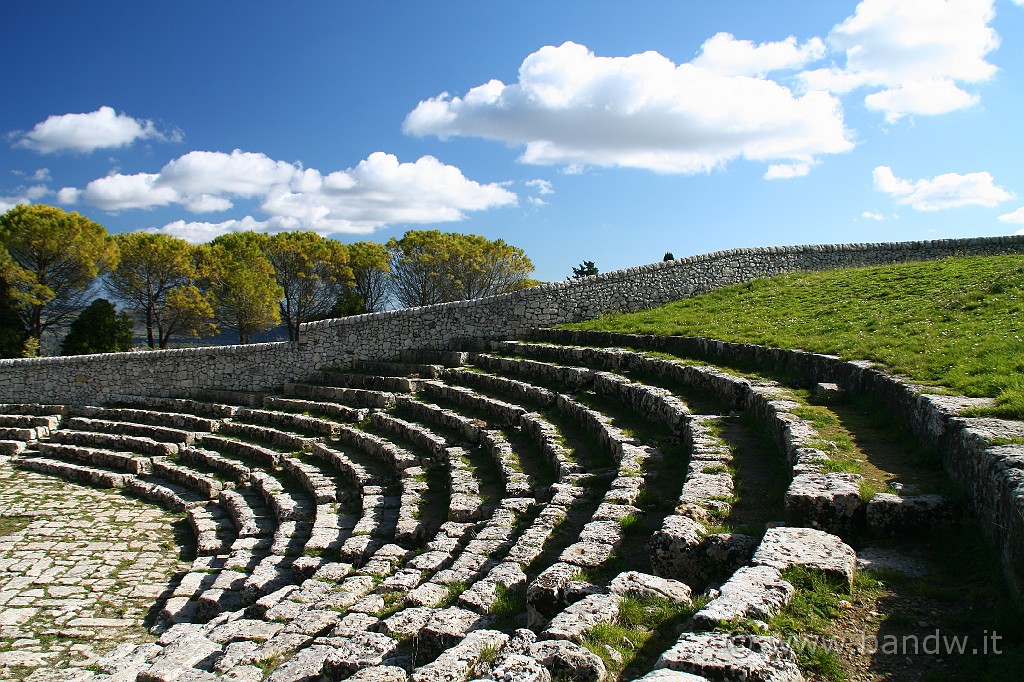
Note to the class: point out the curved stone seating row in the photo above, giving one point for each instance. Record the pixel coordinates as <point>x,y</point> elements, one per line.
<point>112,441</point>
<point>382,589</point>
<point>174,420</point>
<point>827,500</point>
<point>351,397</point>
<point>164,434</point>
<point>333,410</point>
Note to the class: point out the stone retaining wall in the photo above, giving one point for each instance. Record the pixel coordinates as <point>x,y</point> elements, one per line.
<point>341,342</point>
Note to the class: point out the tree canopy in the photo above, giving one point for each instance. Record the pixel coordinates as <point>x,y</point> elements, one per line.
<point>155,278</point>
<point>586,269</point>
<point>52,261</point>
<point>55,258</point>
<point>311,271</point>
<point>99,329</point>
<point>428,266</point>
<point>367,291</point>
<point>243,283</point>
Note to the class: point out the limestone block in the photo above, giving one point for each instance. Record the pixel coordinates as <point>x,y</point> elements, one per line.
<point>677,552</point>
<point>577,619</point>
<point>547,595</point>
<point>728,657</point>
<point>519,668</point>
<point>729,551</point>
<point>568,660</point>
<point>830,502</point>
<point>889,514</point>
<point>380,673</point>
<point>784,547</point>
<point>636,584</point>
<point>458,662</point>
<point>752,592</point>
<point>444,629</point>
<point>666,675</point>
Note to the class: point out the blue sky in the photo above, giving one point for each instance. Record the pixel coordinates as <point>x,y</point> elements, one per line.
<point>610,132</point>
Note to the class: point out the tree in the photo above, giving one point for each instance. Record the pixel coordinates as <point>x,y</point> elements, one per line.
<point>586,269</point>
<point>668,256</point>
<point>155,277</point>
<point>367,291</point>
<point>12,329</point>
<point>242,282</point>
<point>487,267</point>
<point>55,258</point>
<point>430,267</point>
<point>311,271</point>
<point>99,329</point>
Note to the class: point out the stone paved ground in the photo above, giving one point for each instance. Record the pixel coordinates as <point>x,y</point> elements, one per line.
<point>79,572</point>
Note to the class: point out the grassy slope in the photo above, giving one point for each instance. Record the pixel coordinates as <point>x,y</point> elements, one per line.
<point>955,323</point>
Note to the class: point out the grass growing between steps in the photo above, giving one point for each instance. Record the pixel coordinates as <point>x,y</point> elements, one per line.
<point>644,628</point>
<point>956,323</point>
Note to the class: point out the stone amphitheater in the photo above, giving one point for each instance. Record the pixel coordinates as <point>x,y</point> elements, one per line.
<point>460,492</point>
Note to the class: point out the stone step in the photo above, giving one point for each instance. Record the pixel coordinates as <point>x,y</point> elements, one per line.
<point>288,420</point>
<point>249,512</point>
<point>170,495</point>
<point>45,423</point>
<point>519,391</point>
<point>214,530</point>
<point>367,382</point>
<point>12,447</point>
<point>181,405</point>
<point>287,505</point>
<point>123,461</point>
<point>381,449</point>
<point>445,358</point>
<point>211,459</point>
<point>500,411</point>
<point>320,484</point>
<point>23,433</point>
<point>421,437</point>
<point>38,409</point>
<point>573,378</point>
<point>332,410</point>
<point>250,452</point>
<point>352,397</point>
<point>399,369</point>
<point>204,485</point>
<point>158,433</point>
<point>103,478</point>
<point>174,420</point>
<point>344,463</point>
<point>467,427</point>
<point>269,435</point>
<point>112,441</point>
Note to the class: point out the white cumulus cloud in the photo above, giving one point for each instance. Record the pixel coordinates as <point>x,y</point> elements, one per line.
<point>24,195</point>
<point>872,216</point>
<point>949,190</point>
<point>377,191</point>
<point>575,109</point>
<point>724,54</point>
<point>785,171</point>
<point>100,129</point>
<point>918,52</point>
<point>1016,217</point>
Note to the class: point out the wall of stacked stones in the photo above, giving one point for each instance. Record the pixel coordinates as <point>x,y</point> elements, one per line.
<point>338,343</point>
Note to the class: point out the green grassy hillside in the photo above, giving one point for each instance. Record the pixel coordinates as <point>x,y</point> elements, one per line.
<point>956,323</point>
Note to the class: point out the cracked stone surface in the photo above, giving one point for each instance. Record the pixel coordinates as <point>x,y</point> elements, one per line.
<point>80,577</point>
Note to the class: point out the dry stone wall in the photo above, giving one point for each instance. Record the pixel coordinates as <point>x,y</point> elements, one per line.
<point>341,342</point>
